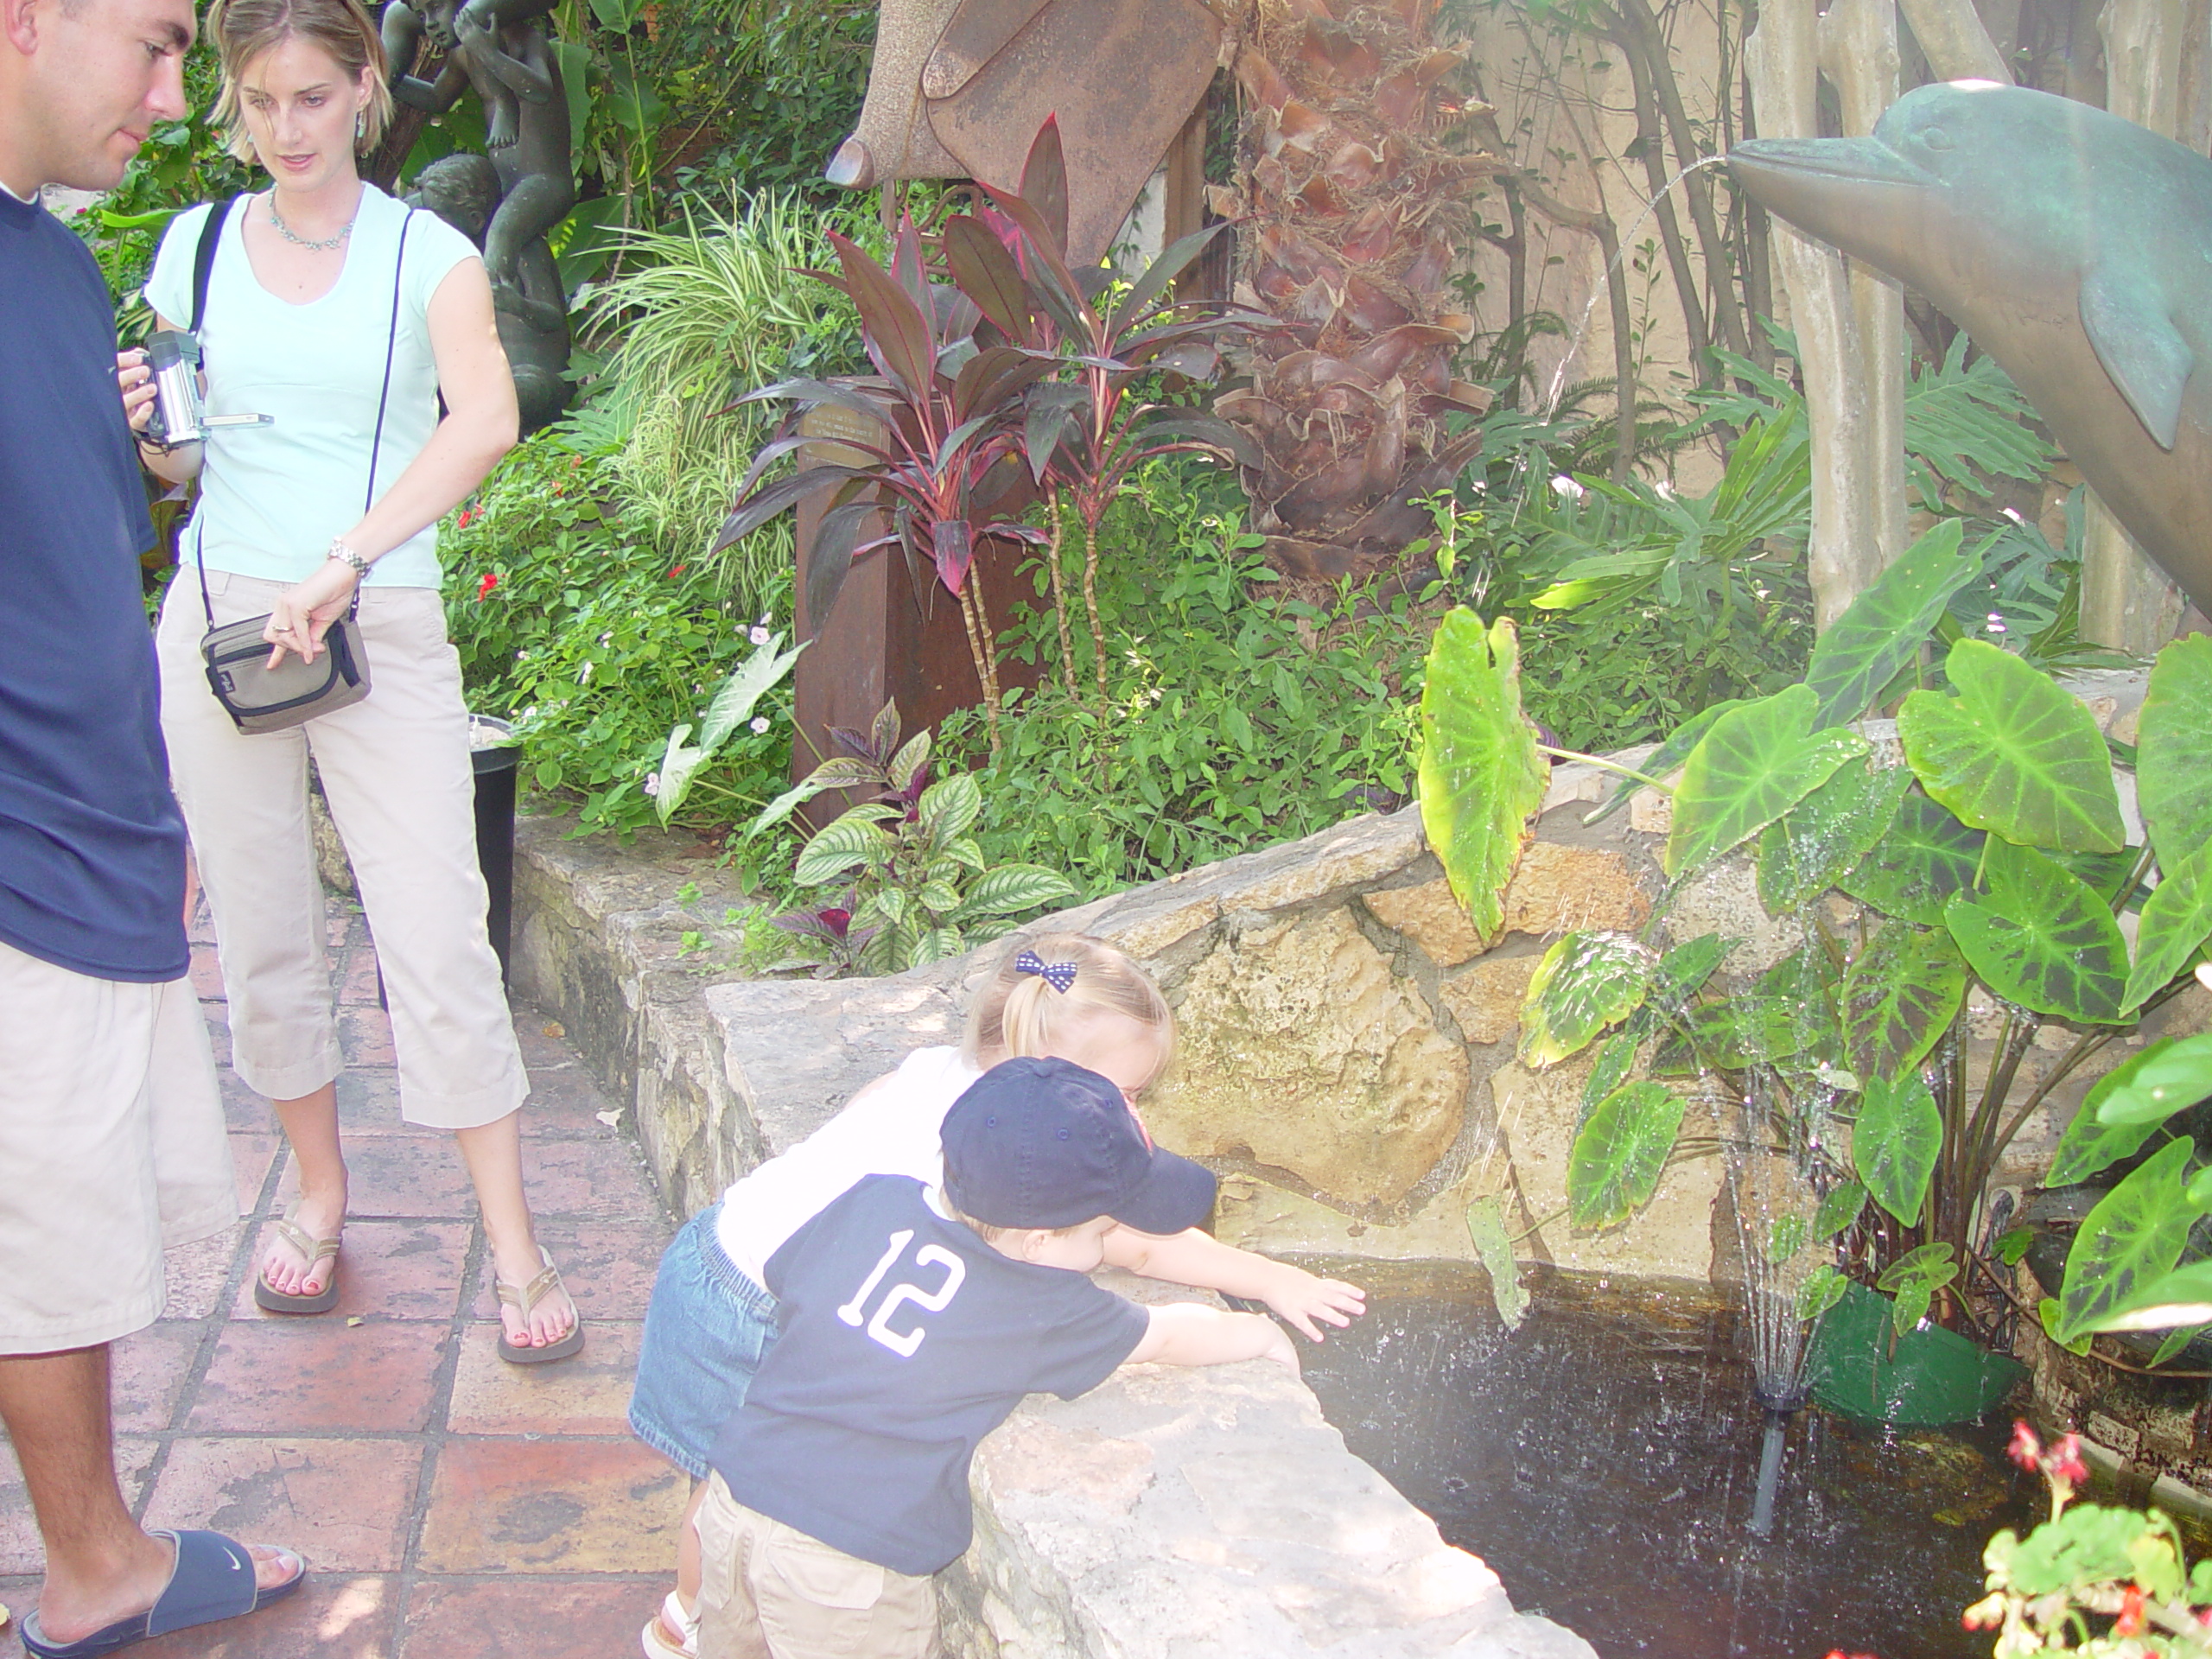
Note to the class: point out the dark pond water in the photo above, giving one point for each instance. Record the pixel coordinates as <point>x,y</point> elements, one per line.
<point>1603,1459</point>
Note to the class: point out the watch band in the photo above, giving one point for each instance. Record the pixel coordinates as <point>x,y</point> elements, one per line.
<point>346,555</point>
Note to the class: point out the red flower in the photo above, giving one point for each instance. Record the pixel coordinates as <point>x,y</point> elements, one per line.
<point>2026,1450</point>
<point>2065,1461</point>
<point>2131,1612</point>
<point>679,571</point>
<point>468,517</point>
<point>484,587</point>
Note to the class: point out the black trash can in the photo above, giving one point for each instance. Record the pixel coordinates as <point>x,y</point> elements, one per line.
<point>497,758</point>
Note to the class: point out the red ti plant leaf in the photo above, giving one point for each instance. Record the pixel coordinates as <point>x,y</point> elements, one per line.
<point>896,330</point>
<point>986,272</point>
<point>953,544</point>
<point>1045,184</point>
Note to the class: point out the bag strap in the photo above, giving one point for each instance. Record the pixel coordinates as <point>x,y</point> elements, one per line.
<point>384,392</point>
<point>203,258</point>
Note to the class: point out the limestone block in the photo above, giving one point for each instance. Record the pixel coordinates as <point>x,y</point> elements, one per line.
<point>1558,889</point>
<point>1724,898</point>
<point>1258,1216</point>
<point>1486,999</point>
<point>1651,813</point>
<point>1671,1238</point>
<point>1431,918</point>
<point>1360,850</point>
<point>1299,1045</point>
<point>1252,1534</point>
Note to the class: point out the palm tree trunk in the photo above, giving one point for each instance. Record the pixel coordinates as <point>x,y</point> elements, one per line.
<point>1060,594</point>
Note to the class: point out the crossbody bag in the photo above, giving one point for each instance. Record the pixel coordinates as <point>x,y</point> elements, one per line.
<point>256,697</point>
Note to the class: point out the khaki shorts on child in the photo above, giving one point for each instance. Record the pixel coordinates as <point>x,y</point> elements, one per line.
<point>111,1145</point>
<point>770,1592</point>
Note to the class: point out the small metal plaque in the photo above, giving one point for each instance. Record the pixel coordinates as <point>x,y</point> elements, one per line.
<point>825,424</point>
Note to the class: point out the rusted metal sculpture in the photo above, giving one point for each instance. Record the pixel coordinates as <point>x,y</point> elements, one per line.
<point>2072,246</point>
<point>959,88</point>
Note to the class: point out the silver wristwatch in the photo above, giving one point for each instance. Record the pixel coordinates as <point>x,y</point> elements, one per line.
<point>346,555</point>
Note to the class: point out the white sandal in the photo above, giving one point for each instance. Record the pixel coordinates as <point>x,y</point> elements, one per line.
<point>672,1617</point>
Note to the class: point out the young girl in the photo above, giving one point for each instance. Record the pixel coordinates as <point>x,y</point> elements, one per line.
<point>1065,997</point>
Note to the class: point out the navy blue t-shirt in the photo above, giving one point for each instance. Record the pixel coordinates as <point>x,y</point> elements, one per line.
<point>92,846</point>
<point>904,1339</point>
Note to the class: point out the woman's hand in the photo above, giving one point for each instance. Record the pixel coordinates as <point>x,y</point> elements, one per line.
<point>136,381</point>
<point>304,612</point>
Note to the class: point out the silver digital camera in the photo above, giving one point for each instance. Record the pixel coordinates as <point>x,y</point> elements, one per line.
<point>179,417</point>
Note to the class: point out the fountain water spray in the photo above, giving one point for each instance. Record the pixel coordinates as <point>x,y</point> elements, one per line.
<point>1774,1204</point>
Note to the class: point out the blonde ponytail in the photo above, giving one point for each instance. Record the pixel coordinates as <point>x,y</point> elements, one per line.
<point>1024,1014</point>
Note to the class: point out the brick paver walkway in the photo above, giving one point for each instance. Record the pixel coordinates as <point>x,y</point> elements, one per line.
<point>450,1505</point>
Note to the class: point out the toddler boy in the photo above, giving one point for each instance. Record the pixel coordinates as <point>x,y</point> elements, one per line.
<point>912,1322</point>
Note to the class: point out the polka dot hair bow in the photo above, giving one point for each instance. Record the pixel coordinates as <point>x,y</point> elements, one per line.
<point>1061,976</point>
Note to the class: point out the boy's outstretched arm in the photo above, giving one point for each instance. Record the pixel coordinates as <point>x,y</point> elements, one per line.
<point>1187,1334</point>
<point>1192,1258</point>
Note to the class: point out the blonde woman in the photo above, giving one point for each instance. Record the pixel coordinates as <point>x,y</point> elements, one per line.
<point>331,308</point>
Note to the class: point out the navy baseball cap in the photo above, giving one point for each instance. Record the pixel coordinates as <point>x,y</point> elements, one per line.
<point>1045,1143</point>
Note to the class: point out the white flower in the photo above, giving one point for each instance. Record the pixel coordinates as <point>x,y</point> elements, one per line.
<point>758,636</point>
<point>1562,484</point>
<point>584,673</point>
<point>759,722</point>
<point>652,783</point>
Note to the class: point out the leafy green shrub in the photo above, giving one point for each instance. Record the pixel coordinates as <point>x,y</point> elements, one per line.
<point>1237,715</point>
<point>594,643</point>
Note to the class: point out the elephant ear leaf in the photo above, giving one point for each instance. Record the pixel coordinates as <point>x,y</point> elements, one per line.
<point>2176,920</point>
<point>2173,770</point>
<point>2125,1105</point>
<point>2129,1242</point>
<point>1816,842</point>
<point>1900,994</point>
<point>1620,1154</point>
<point>1481,774</point>
<point>1895,1144</point>
<point>2039,937</point>
<point>1756,763</point>
<point>1586,983</point>
<point>2013,754</point>
<point>1864,649</point>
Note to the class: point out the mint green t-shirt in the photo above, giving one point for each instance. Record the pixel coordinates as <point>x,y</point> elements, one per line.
<point>272,497</point>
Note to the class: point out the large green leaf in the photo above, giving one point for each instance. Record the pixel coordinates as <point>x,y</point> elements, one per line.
<point>2013,754</point>
<point>2176,920</point>
<point>1586,982</point>
<point>2039,937</point>
<point>2129,1242</point>
<point>1808,981</point>
<point>1756,763</point>
<point>2173,751</point>
<point>1486,1228</point>
<point>1895,1142</point>
<point>2165,1079</point>
<point>2091,1144</point>
<point>1666,758</point>
<point>949,806</point>
<point>1899,995</point>
<point>1914,1278</point>
<point>1816,842</point>
<point>2180,1298</point>
<point>1620,1154</point>
<point>1862,650</point>
<point>1925,856</point>
<point>1743,1031</point>
<point>1609,1069</point>
<point>1481,775</point>
<point>756,676</point>
<point>1839,1209</point>
<point>841,846</point>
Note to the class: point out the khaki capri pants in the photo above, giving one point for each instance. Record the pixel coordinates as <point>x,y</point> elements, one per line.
<point>768,1591</point>
<point>396,770</point>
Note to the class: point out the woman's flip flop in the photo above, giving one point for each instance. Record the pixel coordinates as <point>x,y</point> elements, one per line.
<point>528,1296</point>
<point>213,1579</point>
<point>313,1251</point>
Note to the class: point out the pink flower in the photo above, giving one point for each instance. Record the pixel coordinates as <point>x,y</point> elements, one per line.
<point>2131,1611</point>
<point>2025,1449</point>
<point>484,587</point>
<point>2063,1462</point>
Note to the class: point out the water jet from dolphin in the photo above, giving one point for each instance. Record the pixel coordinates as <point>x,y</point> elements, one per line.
<point>2074,247</point>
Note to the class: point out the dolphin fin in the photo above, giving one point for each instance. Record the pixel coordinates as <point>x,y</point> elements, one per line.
<point>2136,340</point>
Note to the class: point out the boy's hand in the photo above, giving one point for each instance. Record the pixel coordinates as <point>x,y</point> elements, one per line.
<point>1301,1298</point>
<point>1278,1347</point>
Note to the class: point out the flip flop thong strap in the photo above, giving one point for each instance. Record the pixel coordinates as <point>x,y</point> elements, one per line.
<point>528,1296</point>
<point>312,1250</point>
<point>214,1580</point>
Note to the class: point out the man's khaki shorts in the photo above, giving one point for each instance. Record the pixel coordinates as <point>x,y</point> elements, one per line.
<point>770,1592</point>
<point>111,1147</point>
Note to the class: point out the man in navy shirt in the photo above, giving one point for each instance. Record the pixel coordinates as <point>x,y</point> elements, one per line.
<point>112,1137</point>
<point>911,1322</point>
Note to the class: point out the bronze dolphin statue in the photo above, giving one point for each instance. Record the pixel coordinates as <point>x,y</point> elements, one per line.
<point>2074,247</point>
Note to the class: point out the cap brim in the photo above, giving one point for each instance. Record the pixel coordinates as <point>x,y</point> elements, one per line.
<point>1176,1194</point>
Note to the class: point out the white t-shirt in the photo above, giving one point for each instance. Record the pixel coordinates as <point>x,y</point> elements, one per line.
<point>893,1131</point>
<point>272,497</point>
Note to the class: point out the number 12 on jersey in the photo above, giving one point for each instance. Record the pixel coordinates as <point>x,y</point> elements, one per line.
<point>904,1342</point>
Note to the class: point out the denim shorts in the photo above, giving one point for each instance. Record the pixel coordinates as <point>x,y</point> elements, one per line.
<point>706,1328</point>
